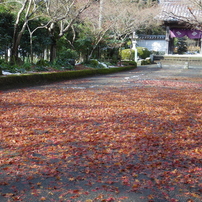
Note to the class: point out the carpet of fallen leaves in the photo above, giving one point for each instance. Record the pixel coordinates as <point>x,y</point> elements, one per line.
<point>65,144</point>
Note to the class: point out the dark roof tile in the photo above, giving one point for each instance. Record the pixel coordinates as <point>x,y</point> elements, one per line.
<point>172,10</point>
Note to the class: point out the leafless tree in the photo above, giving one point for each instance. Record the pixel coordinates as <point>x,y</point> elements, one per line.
<point>187,12</point>
<point>60,14</point>
<point>120,18</point>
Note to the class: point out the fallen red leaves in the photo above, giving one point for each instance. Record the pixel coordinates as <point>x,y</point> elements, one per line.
<point>63,144</point>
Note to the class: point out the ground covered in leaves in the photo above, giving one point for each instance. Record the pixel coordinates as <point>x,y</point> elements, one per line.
<point>102,144</point>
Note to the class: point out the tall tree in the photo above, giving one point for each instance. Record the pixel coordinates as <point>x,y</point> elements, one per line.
<point>25,11</point>
<point>62,14</point>
<point>35,39</point>
<point>6,27</point>
<point>117,18</point>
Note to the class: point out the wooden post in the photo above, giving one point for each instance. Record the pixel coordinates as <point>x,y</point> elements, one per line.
<point>201,47</point>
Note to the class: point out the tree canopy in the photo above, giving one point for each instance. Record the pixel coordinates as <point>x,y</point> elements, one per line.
<point>36,26</point>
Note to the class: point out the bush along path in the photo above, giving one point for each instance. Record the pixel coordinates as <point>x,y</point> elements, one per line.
<point>109,143</point>
<point>23,80</point>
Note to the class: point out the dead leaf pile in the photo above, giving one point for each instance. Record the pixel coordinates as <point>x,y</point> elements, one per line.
<point>65,144</point>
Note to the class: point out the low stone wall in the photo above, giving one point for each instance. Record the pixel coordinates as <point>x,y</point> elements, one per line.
<point>179,59</point>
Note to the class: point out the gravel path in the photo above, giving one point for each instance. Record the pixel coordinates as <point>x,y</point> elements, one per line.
<point>134,77</point>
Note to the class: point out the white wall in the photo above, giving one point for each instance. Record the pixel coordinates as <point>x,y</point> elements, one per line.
<point>153,45</point>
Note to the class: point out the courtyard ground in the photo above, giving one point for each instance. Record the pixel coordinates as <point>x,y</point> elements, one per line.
<point>133,136</point>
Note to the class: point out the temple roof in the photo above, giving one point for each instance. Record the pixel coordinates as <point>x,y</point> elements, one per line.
<point>151,37</point>
<point>178,11</point>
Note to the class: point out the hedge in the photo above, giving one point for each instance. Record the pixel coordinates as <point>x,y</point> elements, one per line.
<point>23,80</point>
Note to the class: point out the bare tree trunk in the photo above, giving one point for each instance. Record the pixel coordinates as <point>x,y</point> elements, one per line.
<point>14,48</point>
<point>16,42</point>
<point>53,49</point>
<point>17,36</point>
<point>31,50</point>
<point>100,37</point>
<point>6,55</point>
<point>100,14</point>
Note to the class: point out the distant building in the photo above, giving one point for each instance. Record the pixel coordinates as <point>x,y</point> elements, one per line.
<point>179,19</point>
<point>155,43</point>
<point>173,15</point>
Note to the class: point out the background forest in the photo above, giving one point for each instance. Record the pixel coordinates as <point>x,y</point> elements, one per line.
<point>59,32</point>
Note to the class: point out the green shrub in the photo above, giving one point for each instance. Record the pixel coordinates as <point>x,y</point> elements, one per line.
<point>2,61</point>
<point>145,62</point>
<point>101,66</point>
<point>148,60</point>
<point>12,68</point>
<point>68,54</point>
<point>40,69</point>
<point>42,63</point>
<point>11,81</point>
<point>127,54</point>
<point>128,62</point>
<point>93,63</point>
<point>27,66</point>
<point>108,63</point>
<point>96,64</point>
<point>66,59</point>
<point>3,65</point>
<point>15,68</point>
<point>143,52</point>
<point>62,64</point>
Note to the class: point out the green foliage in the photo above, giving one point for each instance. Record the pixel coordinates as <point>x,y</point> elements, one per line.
<point>3,65</point>
<point>144,61</point>
<point>127,54</point>
<point>84,41</point>
<point>68,54</point>
<point>6,27</point>
<point>15,68</point>
<point>42,63</point>
<point>128,63</point>
<point>66,59</point>
<point>93,63</point>
<point>2,61</point>
<point>143,52</point>
<point>9,68</point>
<point>27,66</point>
<point>62,64</point>
<point>181,46</point>
<point>148,60</point>
<point>40,39</point>
<point>40,69</point>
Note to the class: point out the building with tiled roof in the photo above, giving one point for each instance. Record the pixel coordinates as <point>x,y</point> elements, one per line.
<point>172,11</point>
<point>181,18</point>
